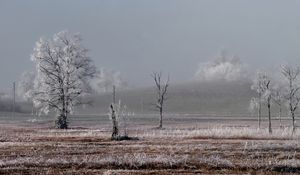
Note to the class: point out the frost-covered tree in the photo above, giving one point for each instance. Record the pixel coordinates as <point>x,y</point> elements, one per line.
<point>262,86</point>
<point>161,94</point>
<point>25,87</point>
<point>119,116</point>
<point>63,74</point>
<point>106,79</point>
<point>223,68</point>
<point>267,97</point>
<point>258,87</point>
<point>291,94</point>
<point>114,118</point>
<point>254,105</point>
<point>278,98</point>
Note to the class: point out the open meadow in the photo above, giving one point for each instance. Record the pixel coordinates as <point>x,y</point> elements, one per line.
<point>141,87</point>
<point>195,145</point>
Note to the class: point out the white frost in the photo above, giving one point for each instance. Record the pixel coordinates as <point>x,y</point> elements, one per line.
<point>222,68</point>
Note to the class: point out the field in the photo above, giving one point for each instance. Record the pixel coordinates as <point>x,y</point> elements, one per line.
<point>187,145</point>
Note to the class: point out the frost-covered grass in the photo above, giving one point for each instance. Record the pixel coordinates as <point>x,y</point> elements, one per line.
<point>72,133</point>
<point>216,150</point>
<point>224,132</point>
<point>127,161</point>
<point>148,161</point>
<point>216,132</point>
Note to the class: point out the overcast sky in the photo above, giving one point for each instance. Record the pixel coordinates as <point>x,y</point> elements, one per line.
<point>137,37</point>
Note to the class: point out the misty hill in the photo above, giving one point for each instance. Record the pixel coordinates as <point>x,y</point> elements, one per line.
<point>220,98</point>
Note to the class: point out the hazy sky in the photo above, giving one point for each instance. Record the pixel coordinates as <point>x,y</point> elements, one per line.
<point>137,37</point>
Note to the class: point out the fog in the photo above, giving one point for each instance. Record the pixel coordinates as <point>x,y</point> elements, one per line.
<point>138,37</point>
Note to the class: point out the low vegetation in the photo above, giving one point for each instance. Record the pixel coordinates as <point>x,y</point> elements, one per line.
<point>221,150</point>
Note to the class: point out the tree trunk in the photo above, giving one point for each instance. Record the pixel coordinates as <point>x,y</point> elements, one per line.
<point>270,124</point>
<point>291,107</point>
<point>280,114</point>
<point>293,120</point>
<point>161,116</point>
<point>115,132</point>
<point>61,122</point>
<point>259,112</point>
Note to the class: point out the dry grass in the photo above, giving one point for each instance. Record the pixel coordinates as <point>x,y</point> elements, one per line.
<point>217,150</point>
<point>223,132</point>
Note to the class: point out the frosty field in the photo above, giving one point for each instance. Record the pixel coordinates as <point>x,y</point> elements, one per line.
<point>195,145</point>
<point>139,87</point>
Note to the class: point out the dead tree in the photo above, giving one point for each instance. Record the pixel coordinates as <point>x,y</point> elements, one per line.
<point>292,91</point>
<point>262,85</point>
<point>115,132</point>
<point>161,94</point>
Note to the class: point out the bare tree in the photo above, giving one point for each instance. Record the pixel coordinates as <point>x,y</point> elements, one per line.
<point>161,94</point>
<point>258,87</point>
<point>119,116</point>
<point>267,96</point>
<point>262,85</point>
<point>292,95</point>
<point>279,100</point>
<point>63,74</point>
<point>254,105</point>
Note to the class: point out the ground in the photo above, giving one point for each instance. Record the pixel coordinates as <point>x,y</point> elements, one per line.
<point>202,147</point>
